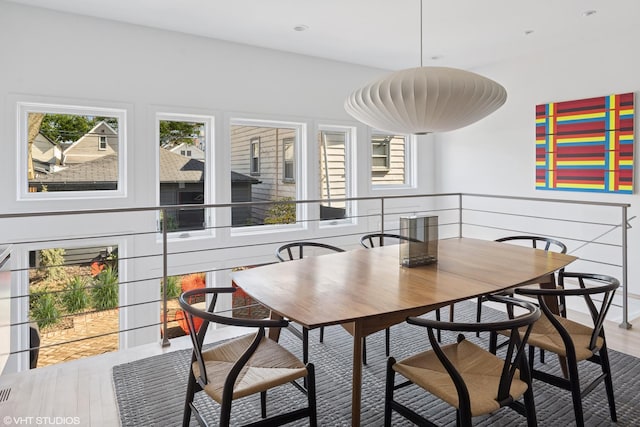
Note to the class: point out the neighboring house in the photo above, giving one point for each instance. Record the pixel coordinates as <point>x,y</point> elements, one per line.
<point>45,153</point>
<point>332,151</point>
<point>188,150</point>
<point>181,182</point>
<point>261,152</point>
<point>99,142</point>
<point>100,174</point>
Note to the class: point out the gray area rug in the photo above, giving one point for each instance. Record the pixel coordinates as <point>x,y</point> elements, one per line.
<point>150,392</point>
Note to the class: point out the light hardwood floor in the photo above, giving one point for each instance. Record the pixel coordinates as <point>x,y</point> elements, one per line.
<point>82,392</point>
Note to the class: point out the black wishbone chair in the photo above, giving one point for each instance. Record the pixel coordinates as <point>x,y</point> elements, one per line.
<point>536,242</point>
<point>242,366</point>
<point>294,251</point>
<point>469,378</point>
<point>572,340</point>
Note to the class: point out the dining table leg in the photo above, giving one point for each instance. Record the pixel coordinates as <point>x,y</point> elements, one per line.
<point>356,384</point>
<point>274,333</point>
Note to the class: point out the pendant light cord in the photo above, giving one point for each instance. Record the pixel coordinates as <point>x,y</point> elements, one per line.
<point>421,55</point>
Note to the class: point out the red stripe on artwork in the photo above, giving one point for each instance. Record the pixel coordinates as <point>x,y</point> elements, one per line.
<point>582,149</point>
<point>581,104</point>
<point>581,173</point>
<point>582,127</point>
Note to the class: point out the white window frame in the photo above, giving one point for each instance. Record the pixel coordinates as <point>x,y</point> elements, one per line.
<point>301,164</point>
<point>350,173</point>
<point>23,110</point>
<point>209,171</point>
<point>102,143</point>
<point>285,178</point>
<point>410,179</point>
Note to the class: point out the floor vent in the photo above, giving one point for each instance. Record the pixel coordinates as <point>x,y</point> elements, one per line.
<point>4,394</point>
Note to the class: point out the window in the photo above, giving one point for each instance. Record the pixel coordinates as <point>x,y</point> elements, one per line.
<point>333,148</point>
<point>70,149</point>
<point>263,167</point>
<point>389,159</point>
<point>288,160</point>
<point>66,286</point>
<point>183,169</point>
<point>380,152</point>
<point>255,156</point>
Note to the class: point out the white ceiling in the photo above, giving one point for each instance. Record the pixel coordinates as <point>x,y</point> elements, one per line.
<point>380,33</point>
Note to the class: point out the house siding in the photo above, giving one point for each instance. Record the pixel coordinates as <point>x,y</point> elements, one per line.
<point>272,186</point>
<point>86,148</point>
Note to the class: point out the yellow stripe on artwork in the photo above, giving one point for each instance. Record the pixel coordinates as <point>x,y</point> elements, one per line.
<point>626,112</point>
<point>540,163</point>
<point>597,115</point>
<point>541,120</point>
<point>626,137</point>
<point>625,187</point>
<point>581,162</point>
<point>580,139</point>
<point>612,180</point>
<point>626,162</point>
<point>612,158</point>
<point>587,186</point>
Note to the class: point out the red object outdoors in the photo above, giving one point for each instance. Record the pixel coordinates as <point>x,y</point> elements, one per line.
<point>182,321</point>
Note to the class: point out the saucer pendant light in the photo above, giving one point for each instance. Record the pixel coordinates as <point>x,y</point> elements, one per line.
<point>425,99</point>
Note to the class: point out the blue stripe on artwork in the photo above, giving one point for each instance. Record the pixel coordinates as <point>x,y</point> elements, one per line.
<point>588,190</point>
<point>570,122</point>
<point>581,143</point>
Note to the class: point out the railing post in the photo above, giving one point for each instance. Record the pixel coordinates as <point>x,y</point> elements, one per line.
<point>165,309</point>
<point>625,292</point>
<point>460,215</point>
<point>382,215</point>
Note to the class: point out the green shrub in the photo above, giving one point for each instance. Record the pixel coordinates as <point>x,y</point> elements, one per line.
<point>52,262</point>
<point>44,309</point>
<point>104,293</point>
<point>281,213</point>
<point>173,287</point>
<point>75,297</point>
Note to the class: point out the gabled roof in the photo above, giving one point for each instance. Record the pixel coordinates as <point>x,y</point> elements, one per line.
<point>177,168</point>
<point>174,168</point>
<point>92,131</point>
<point>104,169</point>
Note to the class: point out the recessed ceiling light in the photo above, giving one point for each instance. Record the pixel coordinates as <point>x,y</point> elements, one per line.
<point>589,12</point>
<point>436,57</point>
<point>301,28</point>
<point>527,32</point>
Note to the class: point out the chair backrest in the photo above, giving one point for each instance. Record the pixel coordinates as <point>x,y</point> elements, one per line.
<point>197,334</point>
<point>295,250</point>
<point>544,243</point>
<point>599,284</point>
<point>538,242</point>
<point>378,239</point>
<point>515,355</point>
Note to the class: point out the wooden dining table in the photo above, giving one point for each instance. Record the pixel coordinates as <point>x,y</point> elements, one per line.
<point>366,290</point>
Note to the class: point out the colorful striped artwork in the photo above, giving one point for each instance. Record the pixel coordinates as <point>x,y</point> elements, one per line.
<point>585,145</point>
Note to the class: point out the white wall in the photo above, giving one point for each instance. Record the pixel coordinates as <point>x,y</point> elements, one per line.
<point>56,57</point>
<point>497,155</point>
